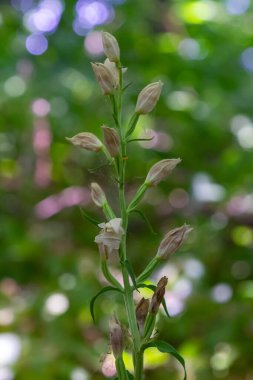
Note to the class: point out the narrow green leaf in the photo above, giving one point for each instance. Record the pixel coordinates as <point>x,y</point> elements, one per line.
<point>143,216</point>
<point>153,287</point>
<point>131,140</point>
<point>92,302</point>
<point>166,347</point>
<point>126,86</point>
<point>131,273</point>
<point>88,217</point>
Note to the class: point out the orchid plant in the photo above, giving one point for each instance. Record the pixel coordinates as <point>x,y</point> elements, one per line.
<point>112,236</point>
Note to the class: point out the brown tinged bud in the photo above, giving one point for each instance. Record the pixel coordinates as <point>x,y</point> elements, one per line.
<point>116,337</point>
<point>141,312</point>
<point>111,47</point>
<point>111,140</point>
<point>158,295</point>
<point>104,77</point>
<point>86,140</point>
<point>148,98</point>
<point>160,171</point>
<point>111,66</point>
<point>173,241</point>
<point>97,194</point>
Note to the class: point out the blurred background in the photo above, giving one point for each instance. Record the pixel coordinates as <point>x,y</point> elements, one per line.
<point>49,265</point>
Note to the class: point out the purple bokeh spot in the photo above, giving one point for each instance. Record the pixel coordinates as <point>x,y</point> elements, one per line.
<point>92,13</point>
<point>45,20</point>
<point>22,5</point>
<point>45,17</point>
<point>247,59</point>
<point>237,7</point>
<point>36,44</point>
<point>55,203</point>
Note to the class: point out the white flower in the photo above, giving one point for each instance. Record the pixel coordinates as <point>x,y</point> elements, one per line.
<point>109,238</point>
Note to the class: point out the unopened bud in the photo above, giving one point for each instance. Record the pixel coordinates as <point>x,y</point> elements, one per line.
<point>116,337</point>
<point>173,241</point>
<point>111,140</point>
<point>86,140</point>
<point>158,295</point>
<point>104,77</point>
<point>97,194</point>
<point>141,312</point>
<point>161,170</point>
<point>148,98</point>
<point>111,66</point>
<point>111,47</point>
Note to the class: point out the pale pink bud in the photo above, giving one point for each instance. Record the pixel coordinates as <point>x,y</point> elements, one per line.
<point>111,140</point>
<point>86,140</point>
<point>158,295</point>
<point>116,337</point>
<point>111,47</point>
<point>141,312</point>
<point>104,78</point>
<point>97,194</point>
<point>172,241</point>
<point>111,66</point>
<point>161,170</point>
<point>148,98</point>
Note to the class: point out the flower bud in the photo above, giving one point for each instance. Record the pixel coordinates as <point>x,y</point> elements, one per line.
<point>97,194</point>
<point>111,66</point>
<point>173,241</point>
<point>111,140</point>
<point>158,295</point>
<point>160,171</point>
<point>148,98</point>
<point>116,337</point>
<point>87,141</point>
<point>141,312</point>
<point>111,47</point>
<point>104,78</point>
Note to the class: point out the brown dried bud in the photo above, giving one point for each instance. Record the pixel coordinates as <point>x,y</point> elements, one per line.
<point>111,47</point>
<point>148,98</point>
<point>87,141</point>
<point>104,77</point>
<point>111,140</point>
<point>158,295</point>
<point>141,312</point>
<point>97,194</point>
<point>173,241</point>
<point>161,170</point>
<point>116,337</point>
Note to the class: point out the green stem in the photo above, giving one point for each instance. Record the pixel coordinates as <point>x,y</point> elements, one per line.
<point>121,369</point>
<point>128,296</point>
<point>139,365</point>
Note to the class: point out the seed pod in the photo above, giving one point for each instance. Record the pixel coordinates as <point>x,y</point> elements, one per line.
<point>141,312</point>
<point>173,241</point>
<point>160,171</point>
<point>97,194</point>
<point>158,295</point>
<point>86,140</point>
<point>111,47</point>
<point>104,77</point>
<point>116,337</point>
<point>111,140</point>
<point>148,98</point>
